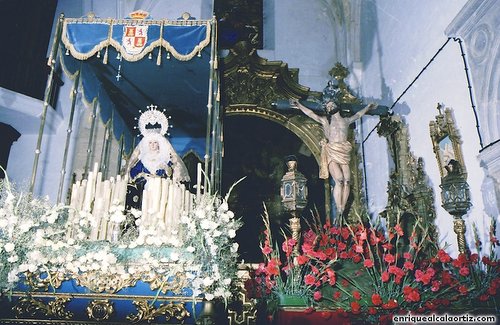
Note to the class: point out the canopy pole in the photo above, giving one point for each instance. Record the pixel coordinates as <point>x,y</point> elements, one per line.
<point>105,150</point>
<point>120,156</point>
<point>69,132</point>
<point>91,138</point>
<point>48,91</point>
<point>209,109</point>
<point>216,117</point>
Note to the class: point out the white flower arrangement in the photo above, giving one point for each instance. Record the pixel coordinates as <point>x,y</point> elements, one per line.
<point>33,238</point>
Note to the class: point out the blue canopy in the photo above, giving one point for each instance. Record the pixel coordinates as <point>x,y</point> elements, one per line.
<point>129,64</point>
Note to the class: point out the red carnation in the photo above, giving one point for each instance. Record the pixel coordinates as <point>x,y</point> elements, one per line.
<point>389,258</point>
<point>301,259</point>
<point>462,289</point>
<point>411,294</point>
<point>408,265</point>
<point>385,276</point>
<point>356,295</point>
<point>309,279</point>
<point>317,295</point>
<point>336,295</point>
<point>355,307</point>
<point>464,271</point>
<point>443,256</point>
<point>368,263</point>
<point>435,285</point>
<point>376,299</point>
<point>391,304</point>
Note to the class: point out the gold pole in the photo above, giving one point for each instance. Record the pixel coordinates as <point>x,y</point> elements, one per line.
<point>48,91</point>
<point>74,93</point>
<point>459,228</point>
<point>295,228</point>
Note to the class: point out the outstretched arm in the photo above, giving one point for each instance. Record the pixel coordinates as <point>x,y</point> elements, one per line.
<point>362,112</point>
<point>295,103</point>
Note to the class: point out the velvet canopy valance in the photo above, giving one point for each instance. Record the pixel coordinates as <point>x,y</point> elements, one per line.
<point>128,64</point>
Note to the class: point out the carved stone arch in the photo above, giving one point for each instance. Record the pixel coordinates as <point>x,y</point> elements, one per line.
<point>304,128</point>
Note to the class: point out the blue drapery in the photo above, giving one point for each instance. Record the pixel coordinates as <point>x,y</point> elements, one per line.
<point>171,70</point>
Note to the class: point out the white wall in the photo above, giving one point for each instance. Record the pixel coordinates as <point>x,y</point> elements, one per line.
<point>398,38</point>
<point>407,34</point>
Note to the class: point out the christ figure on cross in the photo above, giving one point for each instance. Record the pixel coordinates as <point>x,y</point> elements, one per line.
<point>336,150</point>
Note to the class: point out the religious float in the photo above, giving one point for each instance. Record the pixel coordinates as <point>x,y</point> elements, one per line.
<point>146,245</point>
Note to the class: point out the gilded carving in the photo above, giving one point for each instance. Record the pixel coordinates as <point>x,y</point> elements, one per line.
<point>111,283</point>
<point>243,311</point>
<point>100,310</point>
<point>164,283</point>
<point>446,140</point>
<point>410,200</point>
<point>29,306</point>
<point>148,312</point>
<point>41,282</point>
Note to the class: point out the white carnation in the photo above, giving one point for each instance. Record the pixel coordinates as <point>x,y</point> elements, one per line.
<point>9,247</point>
<point>207,281</point>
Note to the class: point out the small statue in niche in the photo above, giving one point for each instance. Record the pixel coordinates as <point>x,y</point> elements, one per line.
<point>453,168</point>
<point>335,149</point>
<point>154,156</point>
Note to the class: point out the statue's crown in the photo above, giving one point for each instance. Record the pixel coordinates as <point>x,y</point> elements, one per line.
<point>153,121</point>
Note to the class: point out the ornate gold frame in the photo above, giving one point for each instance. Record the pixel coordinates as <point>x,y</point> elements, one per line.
<point>446,140</point>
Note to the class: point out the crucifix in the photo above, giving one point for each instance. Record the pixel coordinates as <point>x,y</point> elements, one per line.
<point>335,113</point>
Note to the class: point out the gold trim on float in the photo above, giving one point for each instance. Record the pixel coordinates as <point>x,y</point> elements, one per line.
<point>30,307</point>
<point>100,310</point>
<point>147,312</point>
<point>21,294</point>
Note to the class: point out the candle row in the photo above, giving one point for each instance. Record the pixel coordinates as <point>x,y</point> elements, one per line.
<point>98,200</point>
<point>102,203</point>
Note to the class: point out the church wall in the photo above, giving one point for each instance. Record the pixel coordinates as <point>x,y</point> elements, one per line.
<point>300,34</point>
<point>406,36</point>
<point>395,42</point>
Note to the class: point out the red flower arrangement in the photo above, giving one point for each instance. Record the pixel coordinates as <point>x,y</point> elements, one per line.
<point>364,270</point>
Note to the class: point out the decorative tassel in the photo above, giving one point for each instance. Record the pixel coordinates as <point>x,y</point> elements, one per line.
<point>67,52</point>
<point>150,56</point>
<point>158,59</point>
<point>105,60</point>
<point>98,54</point>
<point>168,55</point>
<point>199,54</point>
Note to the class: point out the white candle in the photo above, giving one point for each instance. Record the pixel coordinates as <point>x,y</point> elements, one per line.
<point>198,181</point>
<point>163,200</point>
<point>170,207</point>
<point>106,195</point>
<point>144,207</point>
<point>88,191</point>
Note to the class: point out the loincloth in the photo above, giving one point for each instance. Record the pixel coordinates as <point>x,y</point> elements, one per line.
<point>338,152</point>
